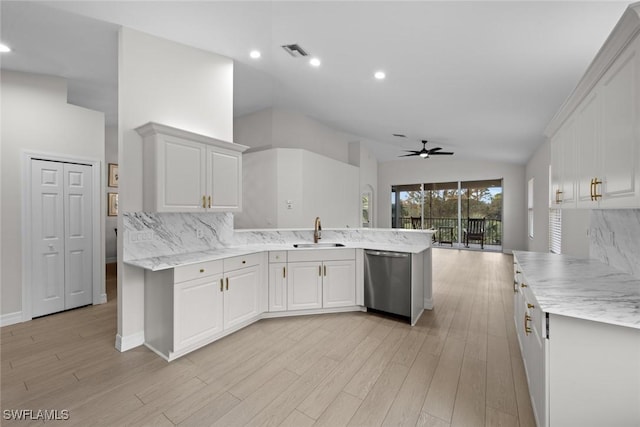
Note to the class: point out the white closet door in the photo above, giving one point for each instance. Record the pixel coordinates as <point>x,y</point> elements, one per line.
<point>47,228</point>
<point>78,238</point>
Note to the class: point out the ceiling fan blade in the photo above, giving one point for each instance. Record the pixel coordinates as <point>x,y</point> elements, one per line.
<point>413,151</point>
<point>433,150</point>
<point>409,155</point>
<point>441,153</point>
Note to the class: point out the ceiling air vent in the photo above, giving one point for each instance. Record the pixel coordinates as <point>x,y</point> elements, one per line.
<point>294,50</point>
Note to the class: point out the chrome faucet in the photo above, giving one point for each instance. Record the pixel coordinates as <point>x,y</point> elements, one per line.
<point>317,230</point>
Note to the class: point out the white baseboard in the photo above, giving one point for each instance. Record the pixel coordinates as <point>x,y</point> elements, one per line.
<point>428,303</point>
<point>11,318</point>
<point>102,298</point>
<point>130,341</point>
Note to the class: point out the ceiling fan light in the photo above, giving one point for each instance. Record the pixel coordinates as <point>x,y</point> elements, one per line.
<point>424,155</point>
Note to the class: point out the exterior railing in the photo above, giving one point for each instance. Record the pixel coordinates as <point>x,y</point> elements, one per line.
<point>492,227</point>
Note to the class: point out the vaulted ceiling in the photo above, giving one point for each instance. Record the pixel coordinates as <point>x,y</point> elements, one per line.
<point>479,78</point>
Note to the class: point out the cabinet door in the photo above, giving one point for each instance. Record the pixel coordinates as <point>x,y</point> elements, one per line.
<point>534,358</point>
<point>339,284</point>
<point>620,153</point>
<point>278,286</point>
<point>198,311</point>
<point>304,289</point>
<point>180,175</point>
<point>556,170</point>
<point>224,180</point>
<point>588,146</point>
<point>242,289</point>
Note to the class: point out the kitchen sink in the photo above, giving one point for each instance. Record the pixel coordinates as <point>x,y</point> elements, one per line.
<point>318,245</point>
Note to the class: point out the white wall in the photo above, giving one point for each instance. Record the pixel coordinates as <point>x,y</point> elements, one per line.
<point>289,129</point>
<point>314,185</point>
<point>110,156</point>
<point>36,117</point>
<point>171,84</point>
<point>538,169</point>
<point>415,171</point>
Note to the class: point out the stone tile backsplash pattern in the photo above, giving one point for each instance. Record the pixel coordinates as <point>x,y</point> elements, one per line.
<point>615,238</point>
<point>160,234</point>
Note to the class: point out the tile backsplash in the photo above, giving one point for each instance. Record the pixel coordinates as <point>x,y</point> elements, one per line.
<point>615,238</point>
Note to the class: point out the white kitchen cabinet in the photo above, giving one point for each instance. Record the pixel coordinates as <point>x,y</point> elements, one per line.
<point>563,166</point>
<point>188,307</point>
<point>188,172</point>
<point>338,284</point>
<point>304,290</point>
<point>603,115</point>
<point>278,281</point>
<point>579,372</point>
<point>198,314</point>
<point>241,295</point>
<point>321,279</point>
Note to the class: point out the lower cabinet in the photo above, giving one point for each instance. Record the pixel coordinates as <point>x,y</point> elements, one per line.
<point>580,372</point>
<point>321,279</point>
<point>241,293</point>
<point>198,312</point>
<point>191,306</point>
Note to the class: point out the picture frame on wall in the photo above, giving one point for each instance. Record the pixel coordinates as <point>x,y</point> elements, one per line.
<point>113,175</point>
<point>112,204</point>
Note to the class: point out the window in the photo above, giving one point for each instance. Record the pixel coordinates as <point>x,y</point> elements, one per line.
<point>555,231</point>
<point>530,208</point>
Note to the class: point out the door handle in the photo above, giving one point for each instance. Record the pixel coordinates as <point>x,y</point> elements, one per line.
<point>227,283</point>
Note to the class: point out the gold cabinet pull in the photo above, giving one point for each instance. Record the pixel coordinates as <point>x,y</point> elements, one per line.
<point>596,196</point>
<point>284,272</point>
<point>591,190</point>
<point>530,305</point>
<point>204,202</point>
<point>221,285</point>
<point>527,319</point>
<point>209,201</point>
<point>320,270</point>
<point>202,270</point>
<point>558,198</point>
<point>524,285</point>
<point>325,270</point>
<point>227,283</point>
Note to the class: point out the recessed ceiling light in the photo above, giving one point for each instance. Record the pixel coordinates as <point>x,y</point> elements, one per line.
<point>4,48</point>
<point>255,54</point>
<point>315,62</point>
<point>379,75</point>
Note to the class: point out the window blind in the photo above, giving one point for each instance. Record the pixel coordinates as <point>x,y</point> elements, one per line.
<point>555,231</point>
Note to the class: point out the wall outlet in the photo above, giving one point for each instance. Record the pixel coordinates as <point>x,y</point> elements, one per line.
<point>141,236</point>
<point>289,204</point>
<point>199,234</point>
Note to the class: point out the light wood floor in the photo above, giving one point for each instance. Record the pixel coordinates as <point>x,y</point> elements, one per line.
<point>459,366</point>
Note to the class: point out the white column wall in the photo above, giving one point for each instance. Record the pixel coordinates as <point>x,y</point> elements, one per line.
<point>172,84</point>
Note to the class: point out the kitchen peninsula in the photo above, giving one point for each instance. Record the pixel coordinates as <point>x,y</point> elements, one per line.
<point>205,280</point>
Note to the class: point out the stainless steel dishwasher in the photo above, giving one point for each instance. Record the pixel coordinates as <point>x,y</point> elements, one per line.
<point>387,282</point>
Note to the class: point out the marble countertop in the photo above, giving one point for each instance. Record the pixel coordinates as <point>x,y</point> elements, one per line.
<point>581,288</point>
<point>177,260</point>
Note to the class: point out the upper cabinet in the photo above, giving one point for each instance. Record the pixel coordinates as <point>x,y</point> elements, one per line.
<point>595,137</point>
<point>188,172</point>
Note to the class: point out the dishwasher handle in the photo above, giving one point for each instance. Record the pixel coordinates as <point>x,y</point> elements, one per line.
<point>387,254</point>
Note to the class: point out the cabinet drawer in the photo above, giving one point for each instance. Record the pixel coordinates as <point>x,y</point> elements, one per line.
<point>195,271</point>
<point>299,255</point>
<point>237,262</point>
<point>278,256</point>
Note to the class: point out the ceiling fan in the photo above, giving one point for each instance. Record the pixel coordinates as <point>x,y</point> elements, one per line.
<point>424,153</point>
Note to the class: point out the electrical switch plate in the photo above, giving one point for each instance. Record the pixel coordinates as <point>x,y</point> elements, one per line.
<point>289,204</point>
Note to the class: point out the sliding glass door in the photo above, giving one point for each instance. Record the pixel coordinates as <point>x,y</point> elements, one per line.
<point>463,213</point>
